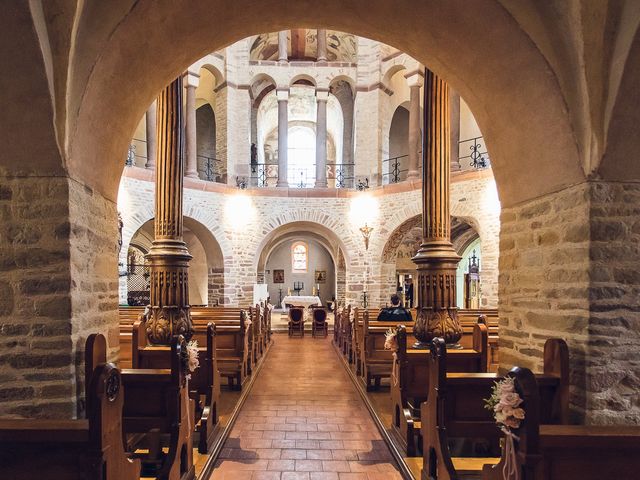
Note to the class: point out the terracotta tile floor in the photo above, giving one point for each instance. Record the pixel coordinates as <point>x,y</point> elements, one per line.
<point>304,420</point>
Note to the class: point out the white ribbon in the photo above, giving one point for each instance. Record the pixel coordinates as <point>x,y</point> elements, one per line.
<point>510,471</point>
<point>394,369</point>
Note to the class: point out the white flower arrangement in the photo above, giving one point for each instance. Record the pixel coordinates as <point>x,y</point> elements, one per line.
<point>390,340</point>
<point>505,403</point>
<point>192,357</point>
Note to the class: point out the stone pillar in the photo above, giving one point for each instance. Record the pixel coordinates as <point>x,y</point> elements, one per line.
<point>454,107</point>
<point>151,137</point>
<point>283,56</point>
<point>322,45</point>
<point>283,136</point>
<point>321,138</point>
<point>190,126</point>
<point>169,311</point>
<point>436,259</point>
<point>415,82</point>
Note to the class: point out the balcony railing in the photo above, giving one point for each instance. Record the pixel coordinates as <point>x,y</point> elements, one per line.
<point>134,154</point>
<point>342,173</point>
<point>264,174</point>
<point>394,171</point>
<point>478,157</point>
<point>210,169</point>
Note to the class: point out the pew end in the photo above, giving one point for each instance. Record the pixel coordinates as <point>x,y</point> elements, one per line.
<point>74,449</point>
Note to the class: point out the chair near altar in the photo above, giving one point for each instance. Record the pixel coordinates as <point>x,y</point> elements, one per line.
<point>296,321</point>
<point>319,324</point>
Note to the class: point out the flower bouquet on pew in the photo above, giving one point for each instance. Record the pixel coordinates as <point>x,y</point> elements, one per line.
<point>506,406</point>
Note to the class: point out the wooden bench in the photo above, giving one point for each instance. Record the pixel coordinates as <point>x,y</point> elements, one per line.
<point>204,384</point>
<point>411,387</point>
<point>567,452</point>
<point>73,449</point>
<point>455,409</point>
<point>374,363</point>
<point>232,352</point>
<point>157,403</point>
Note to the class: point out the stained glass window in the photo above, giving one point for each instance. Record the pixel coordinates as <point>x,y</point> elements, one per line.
<point>299,257</point>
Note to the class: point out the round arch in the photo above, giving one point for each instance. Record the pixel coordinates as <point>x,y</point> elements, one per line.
<point>206,269</point>
<point>531,103</point>
<point>304,79</point>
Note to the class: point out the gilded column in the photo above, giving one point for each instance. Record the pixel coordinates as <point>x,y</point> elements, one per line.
<point>436,259</point>
<point>169,311</point>
<point>283,136</point>
<point>322,96</point>
<point>151,137</point>
<point>190,126</point>
<point>283,56</point>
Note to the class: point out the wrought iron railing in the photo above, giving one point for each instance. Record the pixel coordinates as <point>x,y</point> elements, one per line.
<point>478,157</point>
<point>394,172</point>
<point>210,168</point>
<point>138,287</point>
<point>342,173</point>
<point>136,146</point>
<point>264,175</point>
<point>301,176</point>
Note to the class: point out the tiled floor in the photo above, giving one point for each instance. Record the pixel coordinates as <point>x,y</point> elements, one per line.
<point>304,420</point>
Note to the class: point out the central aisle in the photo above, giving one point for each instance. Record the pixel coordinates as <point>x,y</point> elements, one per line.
<point>304,420</point>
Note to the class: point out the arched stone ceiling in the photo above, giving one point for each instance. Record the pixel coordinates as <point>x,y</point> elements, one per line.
<point>71,63</point>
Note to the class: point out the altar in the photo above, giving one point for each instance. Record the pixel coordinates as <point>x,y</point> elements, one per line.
<point>301,301</point>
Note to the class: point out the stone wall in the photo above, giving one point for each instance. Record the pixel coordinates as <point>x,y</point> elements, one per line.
<point>36,363</point>
<point>216,286</point>
<point>242,224</point>
<point>568,270</point>
<point>59,283</point>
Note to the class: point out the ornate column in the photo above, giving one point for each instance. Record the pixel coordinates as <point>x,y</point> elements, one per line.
<point>190,126</point>
<point>322,45</point>
<point>322,95</point>
<point>283,56</point>
<point>415,82</point>
<point>169,311</point>
<point>283,136</point>
<point>436,259</point>
<point>151,136</point>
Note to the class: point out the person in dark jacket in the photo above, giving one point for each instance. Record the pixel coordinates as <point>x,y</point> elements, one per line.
<point>394,313</point>
<point>408,292</point>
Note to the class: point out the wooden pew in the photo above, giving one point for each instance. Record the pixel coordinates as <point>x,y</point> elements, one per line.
<point>204,384</point>
<point>73,449</point>
<point>157,403</point>
<point>455,408</point>
<point>376,362</point>
<point>411,387</point>
<point>566,452</point>
<point>231,341</point>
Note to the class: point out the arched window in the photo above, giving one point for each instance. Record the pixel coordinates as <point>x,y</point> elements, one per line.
<point>301,168</point>
<point>299,257</point>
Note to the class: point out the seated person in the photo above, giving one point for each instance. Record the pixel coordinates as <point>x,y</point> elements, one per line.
<point>395,313</point>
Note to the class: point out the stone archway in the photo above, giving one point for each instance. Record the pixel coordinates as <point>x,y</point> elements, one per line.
<point>206,268</point>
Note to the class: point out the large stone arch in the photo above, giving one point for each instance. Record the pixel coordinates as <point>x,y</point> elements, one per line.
<point>495,68</point>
